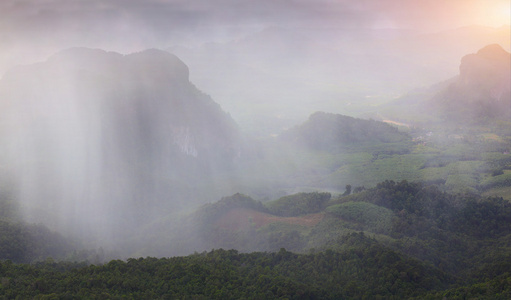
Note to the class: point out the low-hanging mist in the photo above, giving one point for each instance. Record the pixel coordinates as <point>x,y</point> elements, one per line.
<point>97,143</point>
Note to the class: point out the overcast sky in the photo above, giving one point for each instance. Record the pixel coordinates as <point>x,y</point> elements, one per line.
<point>34,29</point>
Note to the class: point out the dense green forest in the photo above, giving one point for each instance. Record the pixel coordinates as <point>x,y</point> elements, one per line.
<point>363,270</point>
<point>366,269</point>
<point>397,240</point>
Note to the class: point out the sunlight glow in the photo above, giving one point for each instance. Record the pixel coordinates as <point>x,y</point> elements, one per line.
<point>498,13</point>
<point>503,12</point>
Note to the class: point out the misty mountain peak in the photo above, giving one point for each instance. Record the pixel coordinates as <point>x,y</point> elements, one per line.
<point>482,90</point>
<point>152,64</point>
<point>159,64</point>
<point>81,58</point>
<point>493,52</point>
<point>486,71</point>
<point>84,55</point>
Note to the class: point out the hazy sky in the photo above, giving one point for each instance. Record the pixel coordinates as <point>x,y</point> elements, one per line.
<point>135,24</point>
<point>33,30</point>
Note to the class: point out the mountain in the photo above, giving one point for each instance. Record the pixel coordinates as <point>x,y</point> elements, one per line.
<point>95,138</point>
<point>482,90</point>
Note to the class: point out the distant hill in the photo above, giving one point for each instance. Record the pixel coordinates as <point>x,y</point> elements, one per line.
<point>95,137</point>
<point>332,132</point>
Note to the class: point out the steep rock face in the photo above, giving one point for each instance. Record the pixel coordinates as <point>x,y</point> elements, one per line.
<point>90,131</point>
<point>482,89</point>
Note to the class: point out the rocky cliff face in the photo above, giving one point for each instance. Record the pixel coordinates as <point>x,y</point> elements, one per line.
<point>483,87</point>
<point>90,131</point>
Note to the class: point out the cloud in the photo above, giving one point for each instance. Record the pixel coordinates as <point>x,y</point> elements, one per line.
<point>165,18</point>
<point>173,15</point>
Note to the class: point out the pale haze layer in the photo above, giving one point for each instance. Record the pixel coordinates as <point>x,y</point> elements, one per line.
<point>33,30</point>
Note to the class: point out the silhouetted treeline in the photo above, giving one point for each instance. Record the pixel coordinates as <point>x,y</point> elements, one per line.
<point>364,270</point>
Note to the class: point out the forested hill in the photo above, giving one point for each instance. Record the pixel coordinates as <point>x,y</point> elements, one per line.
<point>422,215</point>
<point>332,132</point>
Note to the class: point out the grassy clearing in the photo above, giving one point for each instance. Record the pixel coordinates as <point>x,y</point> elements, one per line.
<point>499,181</point>
<point>461,183</point>
<point>366,169</point>
<point>464,167</point>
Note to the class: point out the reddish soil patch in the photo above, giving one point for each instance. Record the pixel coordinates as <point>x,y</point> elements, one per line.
<point>243,218</point>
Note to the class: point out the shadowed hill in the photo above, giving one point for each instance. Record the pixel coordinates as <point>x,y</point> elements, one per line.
<point>332,132</point>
